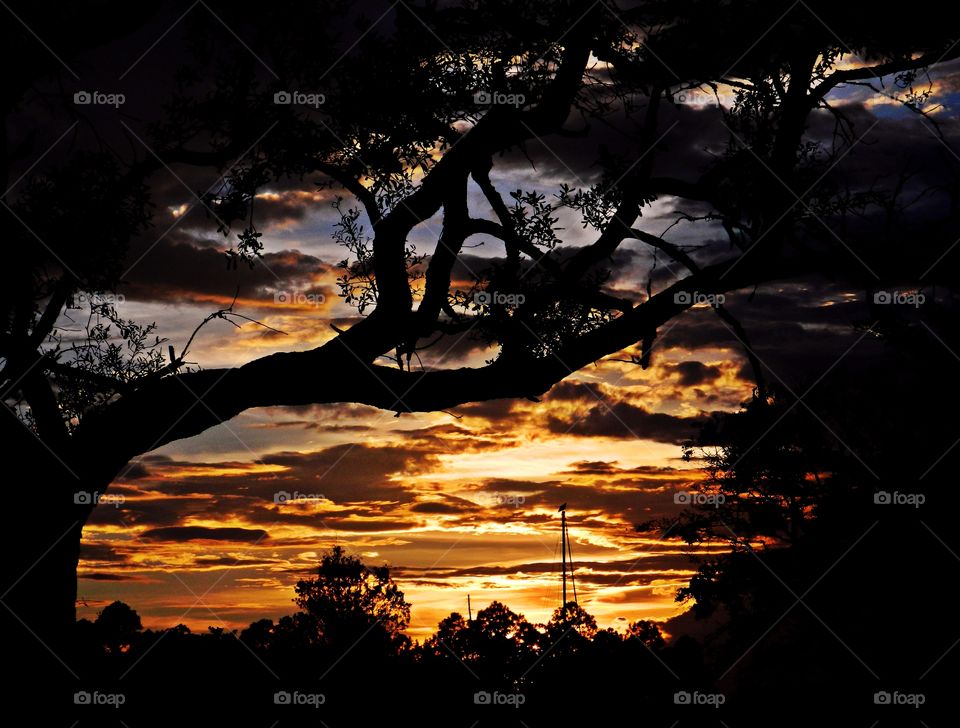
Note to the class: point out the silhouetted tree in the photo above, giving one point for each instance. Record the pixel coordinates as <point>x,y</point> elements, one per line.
<point>646,632</point>
<point>259,634</point>
<point>570,628</point>
<point>773,481</point>
<point>348,600</point>
<point>498,645</point>
<point>800,495</point>
<point>504,639</point>
<point>405,131</point>
<point>453,637</point>
<point>117,625</point>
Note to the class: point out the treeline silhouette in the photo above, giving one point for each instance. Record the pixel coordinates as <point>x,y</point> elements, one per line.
<point>344,654</point>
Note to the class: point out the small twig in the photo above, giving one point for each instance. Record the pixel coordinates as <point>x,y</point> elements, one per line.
<point>223,314</point>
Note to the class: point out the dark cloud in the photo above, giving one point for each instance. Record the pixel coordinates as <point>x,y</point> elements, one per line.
<point>797,329</point>
<point>448,506</point>
<point>511,485</point>
<point>99,576</point>
<point>135,470</point>
<point>182,269</point>
<point>157,511</point>
<point>344,473</point>
<point>353,472</point>
<point>693,373</point>
<point>202,533</point>
<point>624,420</point>
<point>567,391</point>
<point>233,561</point>
<point>453,438</point>
<point>593,467</point>
<point>493,409</point>
<point>371,525</point>
<point>100,552</point>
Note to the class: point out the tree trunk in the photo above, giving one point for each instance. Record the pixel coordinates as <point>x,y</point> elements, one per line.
<point>38,576</point>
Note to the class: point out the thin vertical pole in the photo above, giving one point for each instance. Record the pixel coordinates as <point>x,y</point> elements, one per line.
<point>573,578</point>
<point>563,551</point>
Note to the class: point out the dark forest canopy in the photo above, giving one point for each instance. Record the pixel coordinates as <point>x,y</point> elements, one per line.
<point>349,627</point>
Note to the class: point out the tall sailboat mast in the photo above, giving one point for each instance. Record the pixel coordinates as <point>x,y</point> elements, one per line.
<point>566,556</point>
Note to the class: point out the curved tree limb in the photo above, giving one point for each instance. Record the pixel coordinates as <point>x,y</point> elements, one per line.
<point>184,405</point>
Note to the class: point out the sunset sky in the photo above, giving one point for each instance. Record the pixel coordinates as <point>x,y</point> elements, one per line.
<point>456,503</point>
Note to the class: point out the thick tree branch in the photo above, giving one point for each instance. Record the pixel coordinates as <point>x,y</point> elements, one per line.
<point>184,405</point>
<point>501,128</point>
<point>452,237</point>
<point>48,319</point>
<point>101,381</point>
<point>39,394</point>
<point>514,243</point>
